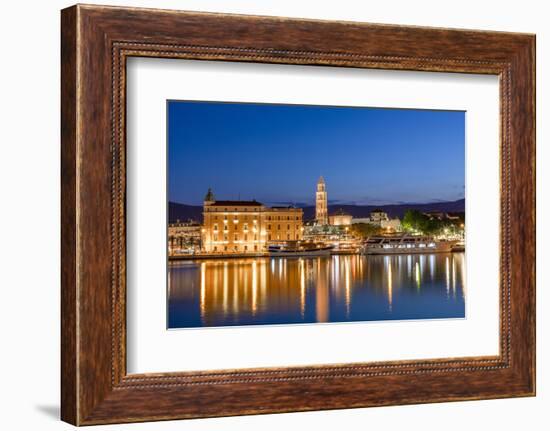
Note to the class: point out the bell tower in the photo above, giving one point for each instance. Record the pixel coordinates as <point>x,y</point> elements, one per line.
<point>321,209</point>
<point>209,199</point>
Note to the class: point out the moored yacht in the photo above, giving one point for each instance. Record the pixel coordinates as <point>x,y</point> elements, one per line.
<point>405,244</point>
<point>299,248</point>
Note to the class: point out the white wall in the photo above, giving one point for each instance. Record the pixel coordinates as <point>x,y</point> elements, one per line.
<point>29,215</point>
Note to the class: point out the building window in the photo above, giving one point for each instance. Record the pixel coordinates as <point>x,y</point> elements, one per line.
<point>287,227</point>
<point>287,236</point>
<point>269,237</point>
<point>236,237</point>
<point>225,216</point>
<point>215,248</point>
<point>268,227</point>
<point>224,227</point>
<point>245,227</point>
<point>245,237</point>
<point>297,236</point>
<point>255,237</point>
<point>278,227</point>
<point>216,227</point>
<point>225,248</point>
<point>225,237</point>
<point>255,248</point>
<point>215,237</point>
<point>245,248</point>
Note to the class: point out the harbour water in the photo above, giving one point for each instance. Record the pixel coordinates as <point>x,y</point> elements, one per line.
<point>256,291</point>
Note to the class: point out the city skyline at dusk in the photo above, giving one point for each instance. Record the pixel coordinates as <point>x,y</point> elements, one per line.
<point>276,153</point>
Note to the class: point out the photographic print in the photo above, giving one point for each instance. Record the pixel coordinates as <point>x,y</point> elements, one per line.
<point>302,214</point>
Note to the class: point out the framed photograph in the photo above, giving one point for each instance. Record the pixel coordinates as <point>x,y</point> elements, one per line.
<point>267,215</point>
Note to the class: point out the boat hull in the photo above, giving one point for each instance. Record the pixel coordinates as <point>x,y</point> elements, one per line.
<point>300,253</point>
<point>439,248</point>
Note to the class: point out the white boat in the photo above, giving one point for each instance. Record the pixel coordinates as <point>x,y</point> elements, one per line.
<point>405,244</point>
<point>299,248</point>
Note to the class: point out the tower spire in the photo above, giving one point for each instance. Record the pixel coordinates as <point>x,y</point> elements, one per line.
<point>321,207</point>
<point>209,198</point>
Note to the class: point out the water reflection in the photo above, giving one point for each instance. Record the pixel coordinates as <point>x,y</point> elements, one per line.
<point>323,289</point>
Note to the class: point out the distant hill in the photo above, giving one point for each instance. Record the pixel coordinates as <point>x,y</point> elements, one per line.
<point>183,212</point>
<point>396,210</point>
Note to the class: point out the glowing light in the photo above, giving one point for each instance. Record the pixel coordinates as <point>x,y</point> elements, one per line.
<point>225,287</point>
<point>302,287</point>
<point>453,272</point>
<point>417,271</point>
<point>203,290</point>
<point>447,276</point>
<point>348,286</point>
<point>254,287</point>
<point>390,284</point>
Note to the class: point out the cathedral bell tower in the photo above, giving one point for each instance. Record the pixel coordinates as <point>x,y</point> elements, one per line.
<point>321,208</point>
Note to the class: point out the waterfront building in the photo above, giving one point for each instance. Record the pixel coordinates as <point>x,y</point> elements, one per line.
<point>247,226</point>
<point>381,219</point>
<point>340,218</point>
<point>321,206</point>
<point>183,237</point>
<point>377,216</point>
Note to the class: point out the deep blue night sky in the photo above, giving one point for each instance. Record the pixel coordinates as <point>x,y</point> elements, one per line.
<point>276,153</point>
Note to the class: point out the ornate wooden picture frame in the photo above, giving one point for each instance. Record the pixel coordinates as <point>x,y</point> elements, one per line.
<point>96,41</point>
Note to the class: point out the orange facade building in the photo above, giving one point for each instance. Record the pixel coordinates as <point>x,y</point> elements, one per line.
<point>247,226</point>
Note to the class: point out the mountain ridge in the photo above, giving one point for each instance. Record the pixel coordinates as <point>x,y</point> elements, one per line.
<point>183,212</point>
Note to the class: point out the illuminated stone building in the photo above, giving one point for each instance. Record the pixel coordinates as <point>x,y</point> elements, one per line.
<point>340,218</point>
<point>247,226</point>
<point>321,207</point>
<point>378,216</point>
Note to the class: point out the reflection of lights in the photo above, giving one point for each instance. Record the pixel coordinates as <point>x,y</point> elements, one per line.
<point>254,287</point>
<point>302,287</point>
<point>169,278</point>
<point>463,274</point>
<point>454,278</point>
<point>336,271</point>
<point>348,285</point>
<point>235,294</point>
<point>263,276</point>
<point>249,292</point>
<point>225,293</point>
<point>203,289</point>
<point>390,283</point>
<point>447,276</point>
